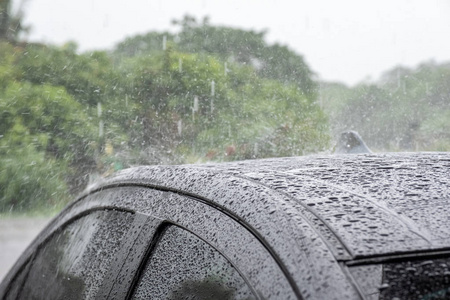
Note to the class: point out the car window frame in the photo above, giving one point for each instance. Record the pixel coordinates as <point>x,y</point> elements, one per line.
<point>159,234</point>
<point>109,198</point>
<point>117,283</point>
<point>26,260</point>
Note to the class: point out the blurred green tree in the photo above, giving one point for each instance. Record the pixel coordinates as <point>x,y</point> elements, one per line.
<point>154,99</point>
<point>191,104</point>
<point>231,45</point>
<point>404,111</point>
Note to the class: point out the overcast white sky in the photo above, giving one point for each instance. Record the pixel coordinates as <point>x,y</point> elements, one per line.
<point>345,40</point>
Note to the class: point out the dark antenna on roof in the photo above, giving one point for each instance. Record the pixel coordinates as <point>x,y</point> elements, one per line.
<point>351,142</point>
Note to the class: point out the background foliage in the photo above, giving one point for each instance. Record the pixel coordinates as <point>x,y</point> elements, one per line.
<point>206,93</point>
<point>406,110</point>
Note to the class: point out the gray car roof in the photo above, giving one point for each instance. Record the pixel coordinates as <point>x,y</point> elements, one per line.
<point>361,205</point>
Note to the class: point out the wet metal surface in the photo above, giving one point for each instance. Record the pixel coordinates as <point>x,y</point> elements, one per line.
<point>374,204</point>
<point>293,218</point>
<point>248,255</point>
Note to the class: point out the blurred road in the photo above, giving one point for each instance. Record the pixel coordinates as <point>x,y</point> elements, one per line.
<point>15,235</point>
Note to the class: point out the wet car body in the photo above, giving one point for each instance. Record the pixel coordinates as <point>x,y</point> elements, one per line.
<point>366,226</point>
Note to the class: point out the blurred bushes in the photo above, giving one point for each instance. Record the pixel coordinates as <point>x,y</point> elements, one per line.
<point>406,110</point>
<point>206,93</point>
<point>67,117</point>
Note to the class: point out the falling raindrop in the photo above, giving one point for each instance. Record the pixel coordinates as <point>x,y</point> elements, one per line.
<point>225,67</point>
<point>213,85</point>
<point>99,109</point>
<point>100,128</point>
<point>180,126</point>
<point>164,42</point>
<point>195,109</point>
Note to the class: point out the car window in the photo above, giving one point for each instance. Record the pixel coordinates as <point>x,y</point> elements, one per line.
<point>73,262</point>
<point>182,266</point>
<point>407,279</point>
